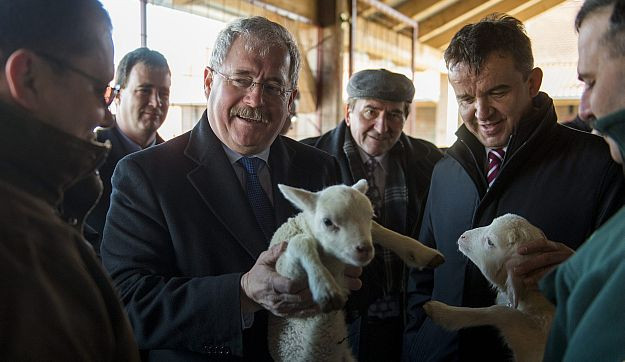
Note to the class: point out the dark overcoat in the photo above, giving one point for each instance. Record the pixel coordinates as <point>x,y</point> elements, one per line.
<point>562,180</point>
<point>179,234</point>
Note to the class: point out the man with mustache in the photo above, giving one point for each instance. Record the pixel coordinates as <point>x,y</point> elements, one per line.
<point>511,156</point>
<point>144,79</point>
<point>190,220</point>
<point>370,138</point>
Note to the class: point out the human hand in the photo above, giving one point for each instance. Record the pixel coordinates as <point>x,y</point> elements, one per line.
<point>537,258</point>
<point>263,287</point>
<point>352,274</point>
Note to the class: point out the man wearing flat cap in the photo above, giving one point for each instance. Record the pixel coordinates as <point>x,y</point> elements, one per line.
<point>369,143</point>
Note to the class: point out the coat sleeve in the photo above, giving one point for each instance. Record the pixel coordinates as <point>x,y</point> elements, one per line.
<point>166,311</point>
<point>419,288</point>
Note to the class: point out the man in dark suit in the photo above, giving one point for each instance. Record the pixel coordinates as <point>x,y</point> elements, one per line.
<point>144,78</point>
<point>190,219</point>
<point>511,156</point>
<point>371,135</point>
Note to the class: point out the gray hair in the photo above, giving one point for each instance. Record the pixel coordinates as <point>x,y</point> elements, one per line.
<point>261,35</point>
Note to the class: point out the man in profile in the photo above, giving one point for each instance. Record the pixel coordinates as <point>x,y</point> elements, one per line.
<point>588,288</point>
<point>57,303</point>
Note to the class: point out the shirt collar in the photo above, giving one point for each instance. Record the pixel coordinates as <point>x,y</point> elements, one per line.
<point>382,159</point>
<point>131,145</point>
<point>234,156</point>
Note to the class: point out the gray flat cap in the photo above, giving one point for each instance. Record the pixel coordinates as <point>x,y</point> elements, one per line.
<point>380,84</point>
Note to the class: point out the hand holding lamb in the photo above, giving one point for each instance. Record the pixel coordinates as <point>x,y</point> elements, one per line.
<point>523,316</point>
<point>335,228</point>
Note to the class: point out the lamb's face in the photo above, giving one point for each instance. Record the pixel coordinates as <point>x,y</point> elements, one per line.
<point>342,224</point>
<point>490,247</point>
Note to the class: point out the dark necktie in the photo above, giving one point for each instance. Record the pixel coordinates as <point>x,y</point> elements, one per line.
<point>263,210</point>
<point>495,158</point>
<point>373,192</point>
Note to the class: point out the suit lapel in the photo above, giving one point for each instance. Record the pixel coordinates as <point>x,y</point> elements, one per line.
<point>216,182</point>
<point>282,171</point>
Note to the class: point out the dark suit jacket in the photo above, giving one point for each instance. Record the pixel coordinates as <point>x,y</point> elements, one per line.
<point>180,232</point>
<point>97,217</point>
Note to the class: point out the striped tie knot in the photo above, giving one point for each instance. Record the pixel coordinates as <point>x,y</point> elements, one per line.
<point>495,159</point>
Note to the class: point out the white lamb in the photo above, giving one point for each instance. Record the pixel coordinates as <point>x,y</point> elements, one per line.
<point>523,316</point>
<point>334,228</point>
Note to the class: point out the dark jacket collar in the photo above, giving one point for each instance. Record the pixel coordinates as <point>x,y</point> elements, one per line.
<point>229,203</point>
<point>41,159</point>
<point>532,129</point>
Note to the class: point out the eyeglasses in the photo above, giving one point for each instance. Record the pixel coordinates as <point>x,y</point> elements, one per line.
<point>108,93</point>
<point>271,89</point>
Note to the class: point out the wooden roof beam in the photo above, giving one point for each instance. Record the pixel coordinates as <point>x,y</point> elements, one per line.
<point>537,9</point>
<point>459,13</point>
<point>419,10</point>
<point>520,9</point>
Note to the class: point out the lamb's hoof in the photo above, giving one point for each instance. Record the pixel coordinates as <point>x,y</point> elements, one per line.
<point>432,307</point>
<point>437,260</point>
<point>439,313</point>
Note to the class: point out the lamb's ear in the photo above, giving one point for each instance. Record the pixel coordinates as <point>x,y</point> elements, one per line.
<point>302,199</point>
<point>514,287</point>
<point>361,185</point>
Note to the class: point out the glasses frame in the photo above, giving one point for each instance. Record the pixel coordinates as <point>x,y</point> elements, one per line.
<point>283,91</point>
<point>110,92</point>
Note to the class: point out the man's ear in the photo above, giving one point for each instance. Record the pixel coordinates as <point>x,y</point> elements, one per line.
<point>292,98</point>
<point>208,81</point>
<point>535,80</point>
<point>347,114</point>
<point>21,71</point>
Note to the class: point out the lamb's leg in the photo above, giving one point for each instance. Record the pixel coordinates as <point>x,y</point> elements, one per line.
<point>455,318</point>
<point>411,251</point>
<point>324,288</point>
<point>526,336</point>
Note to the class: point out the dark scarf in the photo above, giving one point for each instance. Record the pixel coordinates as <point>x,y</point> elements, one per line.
<point>393,212</point>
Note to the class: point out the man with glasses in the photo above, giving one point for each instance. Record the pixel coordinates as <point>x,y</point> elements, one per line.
<point>190,219</point>
<point>57,302</point>
<point>370,144</point>
<point>143,79</point>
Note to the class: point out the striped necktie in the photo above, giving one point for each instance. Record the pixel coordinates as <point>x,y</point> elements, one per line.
<point>495,159</point>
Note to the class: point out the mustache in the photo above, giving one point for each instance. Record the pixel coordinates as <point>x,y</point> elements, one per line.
<point>256,114</point>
